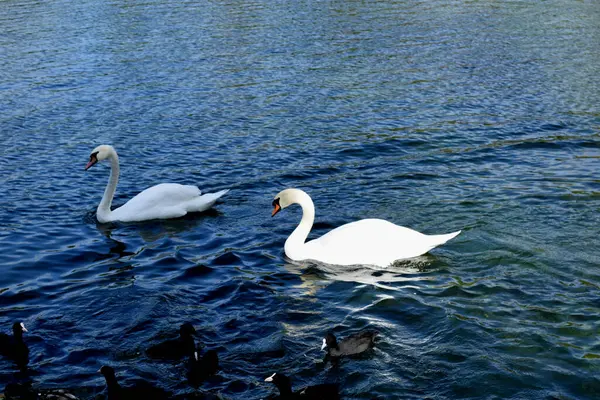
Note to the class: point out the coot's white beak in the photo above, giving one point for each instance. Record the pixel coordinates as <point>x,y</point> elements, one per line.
<point>196,355</point>
<point>324,345</point>
<point>270,379</point>
<point>23,327</point>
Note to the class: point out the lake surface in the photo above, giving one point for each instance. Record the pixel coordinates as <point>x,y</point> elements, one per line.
<point>437,115</point>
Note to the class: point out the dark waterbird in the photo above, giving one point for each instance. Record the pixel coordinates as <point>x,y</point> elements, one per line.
<point>14,347</point>
<point>140,391</point>
<point>175,349</point>
<point>353,344</point>
<point>200,368</point>
<point>325,391</point>
<point>24,391</point>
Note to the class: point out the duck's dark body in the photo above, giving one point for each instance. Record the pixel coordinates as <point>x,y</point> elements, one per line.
<point>140,391</point>
<point>175,349</point>
<point>200,369</point>
<point>14,347</point>
<point>16,391</point>
<point>354,344</point>
<point>326,391</point>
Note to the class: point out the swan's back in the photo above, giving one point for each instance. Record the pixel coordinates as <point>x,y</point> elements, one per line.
<point>163,195</point>
<point>371,241</point>
<point>164,201</point>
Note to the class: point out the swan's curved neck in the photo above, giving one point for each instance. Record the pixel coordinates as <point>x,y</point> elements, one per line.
<point>295,242</point>
<point>104,207</point>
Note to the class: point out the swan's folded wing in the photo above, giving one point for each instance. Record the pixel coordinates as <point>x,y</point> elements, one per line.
<point>162,201</point>
<point>163,195</point>
<point>368,241</point>
<point>203,202</point>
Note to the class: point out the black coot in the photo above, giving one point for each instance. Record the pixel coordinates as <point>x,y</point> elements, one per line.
<point>141,390</point>
<point>175,349</point>
<point>326,391</point>
<point>24,391</point>
<point>200,368</point>
<point>14,347</point>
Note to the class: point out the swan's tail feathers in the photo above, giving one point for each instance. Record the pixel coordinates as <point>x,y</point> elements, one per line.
<point>218,194</point>
<point>441,239</point>
<point>205,201</point>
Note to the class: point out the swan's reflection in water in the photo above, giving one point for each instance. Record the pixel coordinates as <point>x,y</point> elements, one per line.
<point>117,248</point>
<point>314,273</point>
<point>125,242</point>
<point>154,230</point>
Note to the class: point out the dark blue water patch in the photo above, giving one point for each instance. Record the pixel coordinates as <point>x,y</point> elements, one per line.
<point>456,291</point>
<point>402,310</point>
<point>555,144</point>
<point>21,297</point>
<point>416,176</point>
<point>554,126</point>
<point>227,258</point>
<point>170,263</point>
<point>325,226</point>
<point>196,272</point>
<point>76,357</point>
<point>392,145</point>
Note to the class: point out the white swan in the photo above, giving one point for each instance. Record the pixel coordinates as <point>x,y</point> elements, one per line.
<point>163,201</point>
<point>368,241</point>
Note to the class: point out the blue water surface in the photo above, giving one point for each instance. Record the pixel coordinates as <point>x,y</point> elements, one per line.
<point>437,115</point>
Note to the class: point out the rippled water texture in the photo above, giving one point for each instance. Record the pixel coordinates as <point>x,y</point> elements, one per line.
<point>437,115</point>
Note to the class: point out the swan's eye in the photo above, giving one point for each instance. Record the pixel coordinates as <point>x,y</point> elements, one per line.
<point>276,202</point>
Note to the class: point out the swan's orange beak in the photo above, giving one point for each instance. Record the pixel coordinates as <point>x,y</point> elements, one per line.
<point>93,160</point>
<point>276,209</point>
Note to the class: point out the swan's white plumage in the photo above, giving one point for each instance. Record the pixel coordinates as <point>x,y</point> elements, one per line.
<point>372,241</point>
<point>368,241</point>
<point>163,201</point>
